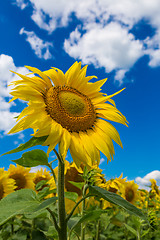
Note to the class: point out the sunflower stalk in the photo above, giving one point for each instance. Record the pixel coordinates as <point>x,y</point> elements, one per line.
<point>52,171</point>
<point>62,233</point>
<point>83,210</point>
<point>98,225</point>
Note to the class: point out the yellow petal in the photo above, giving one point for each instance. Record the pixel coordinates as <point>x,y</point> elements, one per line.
<point>88,145</point>
<point>112,116</point>
<point>56,75</point>
<point>64,143</point>
<point>54,136</point>
<point>78,150</point>
<point>73,74</point>
<point>41,74</point>
<point>99,142</point>
<point>110,130</point>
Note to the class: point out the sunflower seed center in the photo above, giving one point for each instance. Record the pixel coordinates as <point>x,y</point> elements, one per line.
<point>70,108</point>
<point>72,103</point>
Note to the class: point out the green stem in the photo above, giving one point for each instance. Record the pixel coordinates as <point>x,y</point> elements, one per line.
<point>75,206</point>
<point>98,231</point>
<point>53,173</point>
<point>83,209</point>
<point>61,200</point>
<point>54,219</point>
<point>98,225</point>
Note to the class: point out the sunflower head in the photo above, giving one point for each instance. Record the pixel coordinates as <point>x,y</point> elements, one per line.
<point>71,111</point>
<point>22,177</point>
<point>72,174</point>
<point>7,185</point>
<point>154,187</point>
<point>40,175</point>
<point>130,191</point>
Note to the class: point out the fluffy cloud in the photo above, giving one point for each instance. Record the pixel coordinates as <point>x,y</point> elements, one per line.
<point>110,47</point>
<point>103,36</point>
<point>126,11</point>
<point>40,47</point>
<point>145,181</point>
<point>20,3</point>
<point>7,118</point>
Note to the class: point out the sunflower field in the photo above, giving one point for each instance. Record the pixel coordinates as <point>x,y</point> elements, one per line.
<point>103,219</point>
<point>73,200</point>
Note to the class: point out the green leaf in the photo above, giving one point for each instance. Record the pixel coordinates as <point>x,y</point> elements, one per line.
<point>46,203</point>
<point>52,232</point>
<point>32,158</point>
<point>117,200</point>
<point>77,184</point>
<point>34,141</point>
<point>19,202</point>
<point>72,196</point>
<point>41,184</point>
<point>91,216</point>
<point>132,230</point>
<point>43,193</point>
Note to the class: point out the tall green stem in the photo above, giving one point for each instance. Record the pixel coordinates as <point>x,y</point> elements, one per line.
<point>83,209</point>
<point>98,224</point>
<point>61,201</point>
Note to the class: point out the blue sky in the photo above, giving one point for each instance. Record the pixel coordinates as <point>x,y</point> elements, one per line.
<point>117,40</point>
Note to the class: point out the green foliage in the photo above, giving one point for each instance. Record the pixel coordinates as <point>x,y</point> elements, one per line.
<point>32,158</point>
<point>116,199</point>
<point>79,185</point>
<point>19,202</point>
<point>71,195</point>
<point>90,216</point>
<point>46,203</point>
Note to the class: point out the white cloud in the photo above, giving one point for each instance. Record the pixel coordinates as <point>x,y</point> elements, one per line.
<point>7,120</point>
<point>101,161</point>
<point>127,11</point>
<point>21,136</point>
<point>7,117</point>
<point>106,40</point>
<point>20,3</point>
<point>15,142</point>
<point>154,58</point>
<point>110,47</point>
<point>40,47</point>
<point>119,76</point>
<point>145,181</point>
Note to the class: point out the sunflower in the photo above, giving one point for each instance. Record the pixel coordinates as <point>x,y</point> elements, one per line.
<point>154,186</point>
<point>40,175</point>
<point>22,177</point>
<point>70,110</point>
<point>115,185</point>
<point>7,185</point>
<point>154,195</point>
<point>130,191</point>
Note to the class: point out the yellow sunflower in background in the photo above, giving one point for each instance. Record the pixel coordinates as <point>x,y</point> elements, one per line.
<point>115,185</point>
<point>70,110</point>
<point>130,191</point>
<point>7,185</point>
<point>154,186</point>
<point>40,175</point>
<point>22,177</point>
